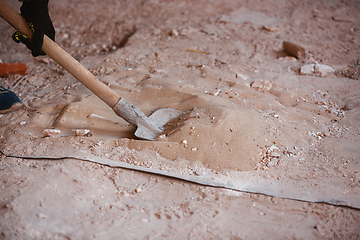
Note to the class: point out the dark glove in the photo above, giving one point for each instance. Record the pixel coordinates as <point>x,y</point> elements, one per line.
<point>36,14</point>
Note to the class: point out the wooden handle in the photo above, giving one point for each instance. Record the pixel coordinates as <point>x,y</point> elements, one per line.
<point>60,56</point>
<point>79,72</point>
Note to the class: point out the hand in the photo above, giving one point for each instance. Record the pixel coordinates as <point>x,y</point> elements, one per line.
<point>36,14</point>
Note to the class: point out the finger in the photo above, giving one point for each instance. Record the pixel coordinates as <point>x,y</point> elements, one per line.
<point>37,42</point>
<point>16,37</point>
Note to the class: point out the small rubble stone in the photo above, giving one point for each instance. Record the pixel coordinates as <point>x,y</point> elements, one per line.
<point>307,69</point>
<point>294,49</point>
<point>81,132</point>
<point>315,68</point>
<point>51,132</point>
<point>262,85</point>
<point>347,107</point>
<point>323,70</point>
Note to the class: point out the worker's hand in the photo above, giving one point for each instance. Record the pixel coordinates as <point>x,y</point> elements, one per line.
<point>36,14</point>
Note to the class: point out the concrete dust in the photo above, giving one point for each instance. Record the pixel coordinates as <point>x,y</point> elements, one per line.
<point>248,112</point>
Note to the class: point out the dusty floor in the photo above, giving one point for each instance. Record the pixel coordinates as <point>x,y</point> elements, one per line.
<point>248,112</point>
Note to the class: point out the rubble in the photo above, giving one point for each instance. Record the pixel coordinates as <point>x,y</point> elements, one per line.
<point>294,50</point>
<point>316,68</point>
<point>81,132</point>
<point>262,85</point>
<point>51,132</point>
